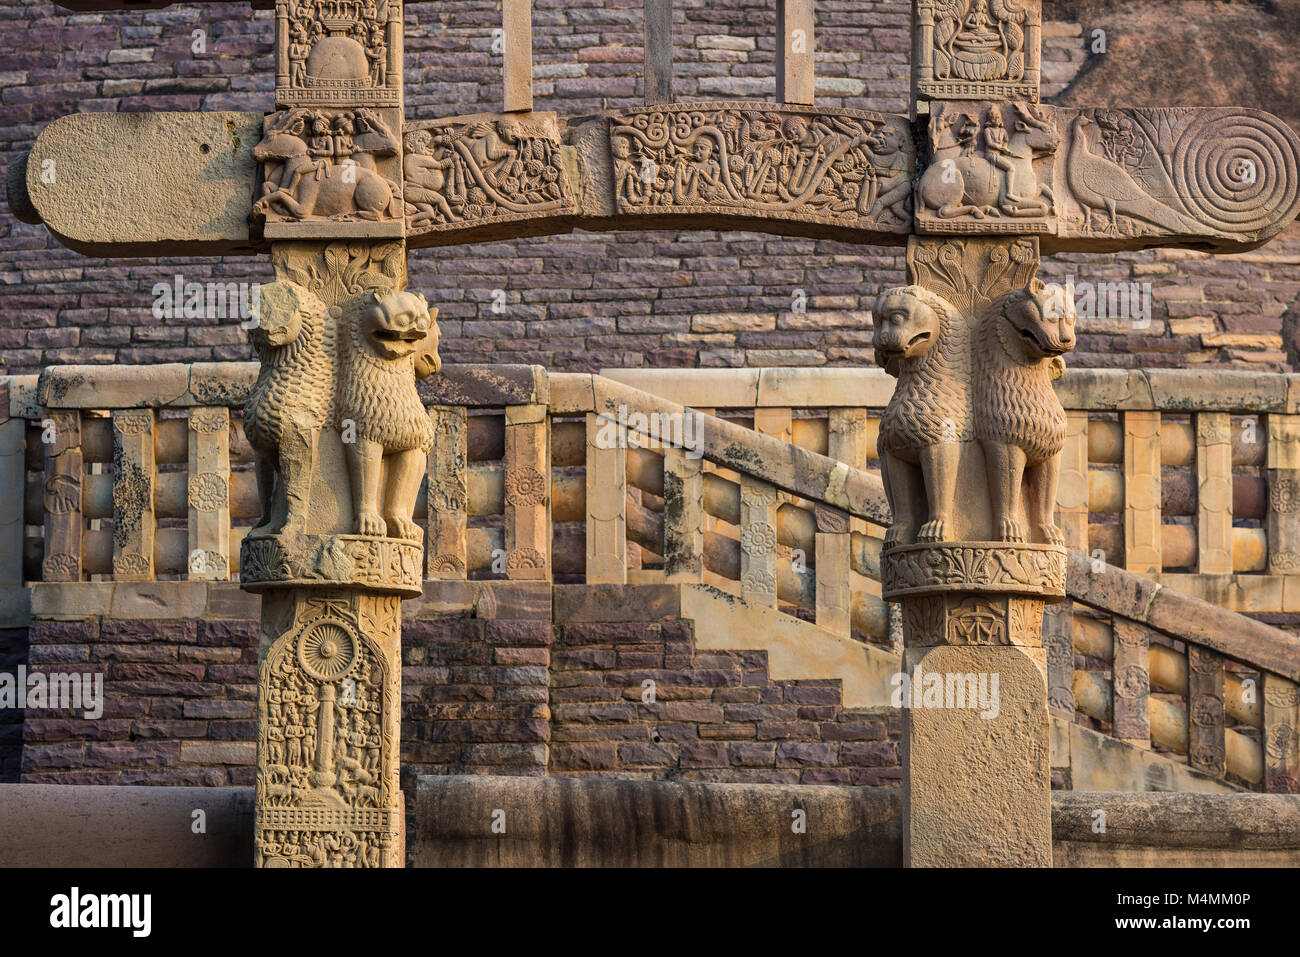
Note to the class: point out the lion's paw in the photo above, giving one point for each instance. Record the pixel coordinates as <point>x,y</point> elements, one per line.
<point>934,531</point>
<point>405,528</point>
<point>897,535</point>
<point>1011,531</point>
<point>1051,534</point>
<point>369,523</point>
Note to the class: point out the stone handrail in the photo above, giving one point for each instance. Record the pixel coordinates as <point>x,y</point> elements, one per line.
<point>1187,476</point>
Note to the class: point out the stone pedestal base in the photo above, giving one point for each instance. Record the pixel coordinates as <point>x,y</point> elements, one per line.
<point>329,694</point>
<point>978,783</point>
<point>977,790</point>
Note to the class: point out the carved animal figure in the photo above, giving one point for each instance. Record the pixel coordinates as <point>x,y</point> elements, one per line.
<point>924,341</point>
<point>962,181</point>
<point>380,337</point>
<point>287,406</point>
<point>1099,184</point>
<point>1017,417</point>
<point>310,185</point>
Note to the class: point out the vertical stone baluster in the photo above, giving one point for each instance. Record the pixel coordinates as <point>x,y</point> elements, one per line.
<point>527,489</point>
<point>517,69</point>
<point>846,441</point>
<point>1142,531</point>
<point>683,517</point>
<point>606,507</point>
<point>61,435</point>
<point>1283,471</point>
<point>757,541</point>
<point>1214,493</point>
<point>1131,684</point>
<point>13,486</point>
<point>658,52</point>
<point>1058,641</point>
<point>834,600</point>
<point>1281,735</point>
<point>447,556</point>
<point>794,57</point>
<point>1206,749</point>
<point>134,524</point>
<point>208,494</point>
<point>1072,493</point>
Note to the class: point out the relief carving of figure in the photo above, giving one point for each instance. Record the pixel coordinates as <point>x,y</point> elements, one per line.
<point>984,172</point>
<point>1017,417</point>
<point>924,341</point>
<point>322,166</point>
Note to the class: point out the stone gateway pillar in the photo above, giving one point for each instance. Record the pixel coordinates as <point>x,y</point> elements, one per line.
<point>340,439</point>
<point>970,446</point>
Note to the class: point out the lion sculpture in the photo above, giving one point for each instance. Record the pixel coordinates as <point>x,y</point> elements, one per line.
<point>1018,419</point>
<point>924,341</point>
<point>288,404</point>
<point>385,427</point>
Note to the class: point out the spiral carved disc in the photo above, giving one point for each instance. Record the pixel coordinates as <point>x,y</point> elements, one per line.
<point>1237,170</point>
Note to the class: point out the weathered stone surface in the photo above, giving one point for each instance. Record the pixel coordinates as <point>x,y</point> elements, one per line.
<point>650,824</point>
<point>146,183</point>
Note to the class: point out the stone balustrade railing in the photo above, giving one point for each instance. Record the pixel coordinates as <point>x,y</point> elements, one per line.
<point>1191,477</point>
<point>119,474</point>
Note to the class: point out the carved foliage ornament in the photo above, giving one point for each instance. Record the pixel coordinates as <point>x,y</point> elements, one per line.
<point>1034,570</point>
<point>846,167</point>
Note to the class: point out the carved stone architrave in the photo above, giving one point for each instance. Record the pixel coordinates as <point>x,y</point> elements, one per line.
<point>1224,176</point>
<point>991,170</point>
<point>329,684</point>
<point>330,173</point>
<point>762,161</point>
<point>976,49</point>
<point>485,175</point>
<point>338,52</point>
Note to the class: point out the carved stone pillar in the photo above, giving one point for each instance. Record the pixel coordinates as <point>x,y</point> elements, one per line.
<point>340,439</point>
<point>970,446</point>
<point>978,786</point>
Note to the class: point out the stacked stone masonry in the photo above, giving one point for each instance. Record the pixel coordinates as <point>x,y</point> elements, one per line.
<point>589,301</point>
<point>494,696</point>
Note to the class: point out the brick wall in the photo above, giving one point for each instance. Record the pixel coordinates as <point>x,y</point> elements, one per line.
<point>592,300</point>
<point>478,697</point>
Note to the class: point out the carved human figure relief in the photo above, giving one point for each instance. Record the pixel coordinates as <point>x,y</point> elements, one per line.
<point>1017,417</point>
<point>977,49</point>
<point>381,336</point>
<point>287,405</point>
<point>991,170</point>
<point>484,170</point>
<point>924,341</point>
<point>338,52</point>
<point>849,167</point>
<point>331,165</point>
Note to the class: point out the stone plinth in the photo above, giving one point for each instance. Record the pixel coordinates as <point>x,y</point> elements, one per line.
<point>975,726</point>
